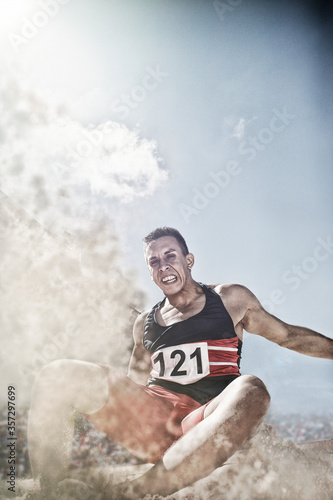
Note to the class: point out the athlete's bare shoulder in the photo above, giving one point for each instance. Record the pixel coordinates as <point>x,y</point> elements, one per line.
<point>234,290</point>
<point>138,326</point>
<point>139,365</point>
<point>236,298</point>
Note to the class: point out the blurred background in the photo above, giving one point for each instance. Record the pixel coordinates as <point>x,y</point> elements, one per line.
<point>116,117</point>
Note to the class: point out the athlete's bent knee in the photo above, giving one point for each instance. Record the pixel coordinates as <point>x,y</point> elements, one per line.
<point>48,383</point>
<point>50,369</point>
<point>257,387</point>
<point>53,370</point>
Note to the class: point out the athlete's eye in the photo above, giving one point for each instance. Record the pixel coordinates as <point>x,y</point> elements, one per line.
<point>170,256</point>
<point>153,262</point>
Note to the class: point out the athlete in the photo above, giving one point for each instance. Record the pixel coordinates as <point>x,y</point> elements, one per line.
<point>184,406</point>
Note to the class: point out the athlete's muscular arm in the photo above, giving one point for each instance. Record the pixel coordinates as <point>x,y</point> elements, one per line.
<point>140,364</point>
<point>245,309</point>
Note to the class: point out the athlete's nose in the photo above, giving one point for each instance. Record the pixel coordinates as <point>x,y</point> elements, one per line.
<point>163,268</point>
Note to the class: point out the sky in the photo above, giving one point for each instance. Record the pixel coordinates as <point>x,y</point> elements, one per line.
<point>214,117</point>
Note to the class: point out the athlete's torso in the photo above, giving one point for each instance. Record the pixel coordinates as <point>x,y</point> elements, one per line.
<point>198,356</point>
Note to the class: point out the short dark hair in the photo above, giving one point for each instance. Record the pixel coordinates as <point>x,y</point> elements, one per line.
<point>166,231</point>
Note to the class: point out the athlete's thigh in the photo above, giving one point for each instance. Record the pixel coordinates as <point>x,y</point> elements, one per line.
<point>135,418</point>
<point>244,390</point>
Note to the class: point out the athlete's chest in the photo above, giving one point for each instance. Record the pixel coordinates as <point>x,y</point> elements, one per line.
<point>209,320</point>
<point>168,315</point>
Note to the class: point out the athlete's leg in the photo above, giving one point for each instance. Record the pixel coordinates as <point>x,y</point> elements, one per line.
<point>61,387</point>
<point>136,418</point>
<point>125,412</point>
<point>229,420</point>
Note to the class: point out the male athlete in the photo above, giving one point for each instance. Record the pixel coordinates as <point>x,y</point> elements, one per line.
<point>183,406</point>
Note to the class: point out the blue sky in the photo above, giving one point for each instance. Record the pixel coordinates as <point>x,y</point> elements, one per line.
<point>237,103</point>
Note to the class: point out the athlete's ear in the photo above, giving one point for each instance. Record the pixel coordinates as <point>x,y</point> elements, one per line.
<point>190,260</point>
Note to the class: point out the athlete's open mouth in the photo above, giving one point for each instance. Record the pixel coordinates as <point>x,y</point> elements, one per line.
<point>169,279</point>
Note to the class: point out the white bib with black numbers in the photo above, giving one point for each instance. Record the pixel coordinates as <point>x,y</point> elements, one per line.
<point>185,364</point>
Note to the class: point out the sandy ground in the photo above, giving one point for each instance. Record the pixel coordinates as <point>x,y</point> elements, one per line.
<point>269,468</point>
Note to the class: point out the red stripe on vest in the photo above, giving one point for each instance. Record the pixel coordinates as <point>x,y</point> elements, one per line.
<point>223,356</point>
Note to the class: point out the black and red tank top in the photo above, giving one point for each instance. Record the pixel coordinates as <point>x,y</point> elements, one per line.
<point>199,356</point>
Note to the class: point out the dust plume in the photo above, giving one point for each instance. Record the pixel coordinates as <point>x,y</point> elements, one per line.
<point>60,298</point>
<point>63,293</point>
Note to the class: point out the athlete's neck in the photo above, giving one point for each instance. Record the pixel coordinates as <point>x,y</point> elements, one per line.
<point>185,297</point>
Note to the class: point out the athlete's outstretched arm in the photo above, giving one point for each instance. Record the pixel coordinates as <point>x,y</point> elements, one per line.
<point>258,321</point>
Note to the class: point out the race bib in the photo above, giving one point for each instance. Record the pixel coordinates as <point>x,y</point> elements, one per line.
<point>185,364</point>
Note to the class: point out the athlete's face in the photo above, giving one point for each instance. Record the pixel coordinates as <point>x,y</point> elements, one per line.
<point>167,265</point>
